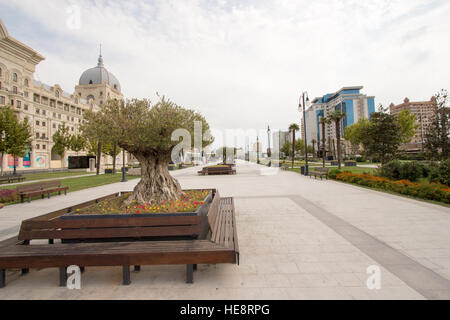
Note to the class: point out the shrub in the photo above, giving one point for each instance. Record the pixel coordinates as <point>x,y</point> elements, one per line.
<point>444,172</point>
<point>435,175</point>
<point>392,170</point>
<point>430,191</point>
<point>8,196</point>
<point>360,159</point>
<point>412,171</point>
<point>332,174</point>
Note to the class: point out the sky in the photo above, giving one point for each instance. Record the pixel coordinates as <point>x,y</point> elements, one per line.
<point>242,64</point>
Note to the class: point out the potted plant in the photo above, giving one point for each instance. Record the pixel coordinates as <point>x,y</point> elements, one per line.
<point>145,131</point>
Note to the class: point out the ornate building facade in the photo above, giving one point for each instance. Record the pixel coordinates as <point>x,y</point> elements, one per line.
<point>47,108</point>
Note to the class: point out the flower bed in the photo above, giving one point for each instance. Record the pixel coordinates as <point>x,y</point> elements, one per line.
<point>8,195</point>
<point>190,203</point>
<point>429,191</point>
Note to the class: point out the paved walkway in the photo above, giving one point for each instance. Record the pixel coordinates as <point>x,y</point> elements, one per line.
<point>300,238</point>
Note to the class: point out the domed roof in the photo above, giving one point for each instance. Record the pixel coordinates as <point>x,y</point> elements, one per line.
<point>99,75</point>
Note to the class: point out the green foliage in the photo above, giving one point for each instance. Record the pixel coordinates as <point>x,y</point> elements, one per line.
<point>382,137</point>
<point>62,141</point>
<point>332,174</point>
<point>108,148</point>
<point>397,170</point>
<point>77,143</point>
<point>437,142</point>
<point>429,191</point>
<point>408,125</point>
<point>444,172</point>
<point>353,133</point>
<point>287,148</point>
<point>294,127</point>
<point>16,135</point>
<point>143,129</point>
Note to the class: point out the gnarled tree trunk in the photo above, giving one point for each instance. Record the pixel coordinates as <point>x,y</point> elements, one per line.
<point>156,183</point>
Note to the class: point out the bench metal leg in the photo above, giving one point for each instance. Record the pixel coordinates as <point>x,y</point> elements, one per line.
<point>82,269</point>
<point>195,267</point>
<point>25,271</point>
<point>137,268</point>
<point>2,278</point>
<point>190,273</point>
<point>29,199</point>
<point>51,241</point>
<point>62,277</point>
<point>126,276</point>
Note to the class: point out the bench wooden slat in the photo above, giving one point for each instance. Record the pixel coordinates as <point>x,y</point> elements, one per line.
<point>103,233</point>
<point>110,254</point>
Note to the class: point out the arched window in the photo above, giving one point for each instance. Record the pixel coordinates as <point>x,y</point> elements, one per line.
<point>89,97</point>
<point>15,77</point>
<point>0,85</point>
<point>26,82</point>
<point>76,100</point>
<point>1,72</point>
<point>57,93</point>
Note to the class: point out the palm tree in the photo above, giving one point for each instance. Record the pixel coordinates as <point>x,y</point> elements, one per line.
<point>293,128</point>
<point>336,117</point>
<point>324,121</point>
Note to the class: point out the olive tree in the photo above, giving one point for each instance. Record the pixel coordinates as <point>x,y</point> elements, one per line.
<point>145,131</point>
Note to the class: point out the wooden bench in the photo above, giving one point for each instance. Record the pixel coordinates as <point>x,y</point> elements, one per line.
<point>40,189</point>
<point>11,179</point>
<point>223,169</point>
<point>219,246</point>
<point>319,172</point>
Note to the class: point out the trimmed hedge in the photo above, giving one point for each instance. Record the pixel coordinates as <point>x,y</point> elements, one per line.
<point>429,191</point>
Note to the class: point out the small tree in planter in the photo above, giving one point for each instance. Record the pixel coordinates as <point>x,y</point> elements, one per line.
<point>145,131</point>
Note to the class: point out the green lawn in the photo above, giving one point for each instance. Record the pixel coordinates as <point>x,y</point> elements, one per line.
<point>52,175</point>
<point>81,183</point>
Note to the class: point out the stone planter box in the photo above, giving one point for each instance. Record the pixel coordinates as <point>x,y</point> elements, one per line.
<point>334,163</point>
<point>350,163</point>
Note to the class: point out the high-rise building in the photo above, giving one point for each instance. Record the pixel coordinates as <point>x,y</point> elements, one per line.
<point>424,112</point>
<point>349,100</point>
<point>47,107</point>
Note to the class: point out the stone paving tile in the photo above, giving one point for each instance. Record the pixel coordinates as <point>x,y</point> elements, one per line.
<point>286,253</point>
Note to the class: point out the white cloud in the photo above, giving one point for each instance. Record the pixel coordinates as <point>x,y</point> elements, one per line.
<point>243,64</point>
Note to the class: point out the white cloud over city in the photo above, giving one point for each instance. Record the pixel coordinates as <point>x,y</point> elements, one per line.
<point>243,64</point>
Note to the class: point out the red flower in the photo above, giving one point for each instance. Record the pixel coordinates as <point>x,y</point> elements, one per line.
<point>138,212</point>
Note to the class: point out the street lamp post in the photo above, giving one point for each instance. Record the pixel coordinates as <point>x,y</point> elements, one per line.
<point>302,98</point>
<point>269,152</point>
<point>124,174</point>
<point>257,150</point>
